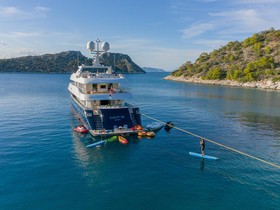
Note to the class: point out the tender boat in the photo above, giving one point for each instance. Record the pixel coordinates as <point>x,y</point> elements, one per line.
<point>99,99</point>
<point>154,126</point>
<point>81,129</point>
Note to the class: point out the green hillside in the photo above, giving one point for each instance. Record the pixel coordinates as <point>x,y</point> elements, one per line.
<point>254,59</point>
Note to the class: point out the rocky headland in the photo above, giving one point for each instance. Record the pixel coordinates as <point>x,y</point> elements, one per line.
<point>67,62</point>
<point>253,62</point>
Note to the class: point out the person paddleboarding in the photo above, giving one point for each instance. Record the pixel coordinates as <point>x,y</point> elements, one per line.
<point>202,147</point>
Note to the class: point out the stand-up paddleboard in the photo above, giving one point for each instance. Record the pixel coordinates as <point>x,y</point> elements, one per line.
<point>95,144</point>
<point>204,156</point>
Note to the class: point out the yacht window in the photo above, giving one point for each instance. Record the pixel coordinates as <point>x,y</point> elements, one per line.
<point>104,102</point>
<point>94,87</point>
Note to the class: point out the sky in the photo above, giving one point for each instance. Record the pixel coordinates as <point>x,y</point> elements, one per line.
<point>154,33</point>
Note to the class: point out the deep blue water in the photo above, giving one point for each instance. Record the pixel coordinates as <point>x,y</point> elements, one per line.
<point>45,165</point>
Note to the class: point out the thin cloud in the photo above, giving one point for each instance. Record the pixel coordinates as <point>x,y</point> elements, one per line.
<point>212,44</point>
<point>257,1</point>
<point>197,29</point>
<point>247,21</point>
<point>19,52</point>
<point>26,34</point>
<point>42,11</point>
<point>230,21</point>
<point>239,15</point>
<point>147,52</point>
<point>132,44</point>
<point>19,14</point>
<point>2,44</point>
<point>177,7</point>
<point>208,1</point>
<point>7,12</point>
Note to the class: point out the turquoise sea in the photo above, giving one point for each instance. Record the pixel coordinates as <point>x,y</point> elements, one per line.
<point>44,164</point>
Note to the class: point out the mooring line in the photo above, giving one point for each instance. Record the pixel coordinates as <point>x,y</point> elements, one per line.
<point>216,143</point>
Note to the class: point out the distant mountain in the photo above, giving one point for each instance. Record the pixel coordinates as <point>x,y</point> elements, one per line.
<point>255,59</point>
<point>150,69</point>
<point>66,62</point>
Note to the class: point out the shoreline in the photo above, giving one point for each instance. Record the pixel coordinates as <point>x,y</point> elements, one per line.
<point>264,84</point>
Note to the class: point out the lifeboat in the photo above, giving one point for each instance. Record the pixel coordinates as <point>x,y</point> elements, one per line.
<point>81,129</point>
<point>122,140</point>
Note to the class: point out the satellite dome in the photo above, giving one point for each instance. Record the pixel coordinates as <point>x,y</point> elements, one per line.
<point>105,46</point>
<point>91,45</point>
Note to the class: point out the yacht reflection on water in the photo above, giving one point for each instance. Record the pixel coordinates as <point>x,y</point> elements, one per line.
<point>202,165</point>
<point>96,156</point>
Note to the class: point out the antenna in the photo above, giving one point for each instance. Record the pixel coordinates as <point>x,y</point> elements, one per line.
<point>97,47</point>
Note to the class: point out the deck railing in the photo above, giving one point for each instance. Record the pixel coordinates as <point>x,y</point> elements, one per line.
<point>102,92</point>
<point>97,76</point>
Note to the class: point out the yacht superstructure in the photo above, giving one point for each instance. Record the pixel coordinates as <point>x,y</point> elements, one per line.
<point>99,98</point>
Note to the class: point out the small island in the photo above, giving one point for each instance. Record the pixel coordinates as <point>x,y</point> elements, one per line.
<point>254,62</point>
<point>67,62</point>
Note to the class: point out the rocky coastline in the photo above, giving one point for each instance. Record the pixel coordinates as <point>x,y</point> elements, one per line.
<point>264,84</point>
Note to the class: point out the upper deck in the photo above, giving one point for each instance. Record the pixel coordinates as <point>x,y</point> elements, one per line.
<point>96,75</point>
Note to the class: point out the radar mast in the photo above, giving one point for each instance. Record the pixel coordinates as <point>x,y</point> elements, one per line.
<point>97,48</point>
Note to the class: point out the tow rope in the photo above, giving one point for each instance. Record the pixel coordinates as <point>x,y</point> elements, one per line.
<point>217,143</point>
